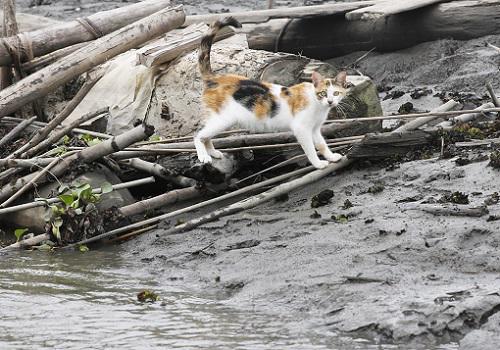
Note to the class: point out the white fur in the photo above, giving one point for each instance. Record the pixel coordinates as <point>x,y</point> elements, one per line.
<point>305,125</point>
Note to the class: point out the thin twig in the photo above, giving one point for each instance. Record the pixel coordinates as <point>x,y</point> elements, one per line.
<point>492,94</point>
<point>16,131</point>
<point>493,46</point>
<point>412,115</point>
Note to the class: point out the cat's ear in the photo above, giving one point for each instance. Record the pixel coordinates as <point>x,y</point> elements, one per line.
<point>316,78</point>
<point>341,79</point>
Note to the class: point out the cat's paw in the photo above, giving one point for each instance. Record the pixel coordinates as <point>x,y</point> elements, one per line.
<point>321,164</point>
<point>334,157</point>
<point>204,158</point>
<point>216,154</point>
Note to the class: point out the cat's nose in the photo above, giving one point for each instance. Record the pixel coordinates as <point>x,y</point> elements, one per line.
<point>330,102</point>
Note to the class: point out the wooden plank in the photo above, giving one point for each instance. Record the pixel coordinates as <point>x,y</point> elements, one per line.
<point>177,42</point>
<point>260,16</point>
<point>387,8</point>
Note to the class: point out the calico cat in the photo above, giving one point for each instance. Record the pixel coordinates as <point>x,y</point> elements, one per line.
<point>259,106</point>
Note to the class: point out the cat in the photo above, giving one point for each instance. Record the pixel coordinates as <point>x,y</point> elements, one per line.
<point>233,100</point>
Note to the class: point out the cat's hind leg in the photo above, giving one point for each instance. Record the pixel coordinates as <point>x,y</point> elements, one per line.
<point>203,139</point>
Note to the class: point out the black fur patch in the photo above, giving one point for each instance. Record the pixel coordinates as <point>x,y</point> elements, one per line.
<point>210,84</point>
<point>250,91</point>
<point>285,91</point>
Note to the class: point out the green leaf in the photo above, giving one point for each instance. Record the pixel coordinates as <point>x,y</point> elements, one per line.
<point>83,248</point>
<point>44,247</point>
<point>155,138</point>
<point>90,140</point>
<point>58,151</point>
<point>106,187</point>
<point>67,199</point>
<point>65,140</point>
<point>19,233</point>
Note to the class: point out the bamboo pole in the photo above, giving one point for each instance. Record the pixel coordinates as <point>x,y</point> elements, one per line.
<point>9,28</point>
<point>162,217</point>
<point>261,198</point>
<point>87,155</point>
<point>41,42</point>
<point>40,202</point>
<point>47,79</point>
<point>168,198</point>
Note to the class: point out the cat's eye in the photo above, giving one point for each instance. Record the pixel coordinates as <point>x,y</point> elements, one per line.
<point>336,93</point>
<point>321,94</point>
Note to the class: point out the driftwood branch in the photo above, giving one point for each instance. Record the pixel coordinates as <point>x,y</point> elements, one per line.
<point>450,210</point>
<point>16,131</point>
<point>9,28</point>
<point>40,202</point>
<point>47,79</point>
<point>434,114</point>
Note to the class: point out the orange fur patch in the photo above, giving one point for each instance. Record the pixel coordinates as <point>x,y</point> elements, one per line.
<point>224,86</point>
<point>321,148</point>
<point>295,97</point>
<point>263,107</point>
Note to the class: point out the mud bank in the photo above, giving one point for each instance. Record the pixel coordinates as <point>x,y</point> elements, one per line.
<point>389,271</point>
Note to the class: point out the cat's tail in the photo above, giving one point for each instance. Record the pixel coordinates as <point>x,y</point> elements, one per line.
<point>207,41</point>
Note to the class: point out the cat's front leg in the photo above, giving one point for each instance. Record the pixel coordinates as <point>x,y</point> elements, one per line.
<point>305,138</point>
<point>322,147</point>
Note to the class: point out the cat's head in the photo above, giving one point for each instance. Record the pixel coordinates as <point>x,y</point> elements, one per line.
<point>330,91</point>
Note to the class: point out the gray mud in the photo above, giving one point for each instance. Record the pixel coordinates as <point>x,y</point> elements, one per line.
<point>391,272</point>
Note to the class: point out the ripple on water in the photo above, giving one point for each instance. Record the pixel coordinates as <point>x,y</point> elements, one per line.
<point>88,301</point>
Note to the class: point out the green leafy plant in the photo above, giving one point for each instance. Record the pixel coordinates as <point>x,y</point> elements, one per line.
<point>83,248</point>
<point>90,140</point>
<point>19,233</point>
<point>75,200</point>
<point>155,138</point>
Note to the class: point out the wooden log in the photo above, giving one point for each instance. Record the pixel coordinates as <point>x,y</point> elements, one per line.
<point>466,117</point>
<point>333,35</point>
<point>177,42</point>
<point>389,143</point>
<point>43,61</point>
<point>102,49</point>
<point>388,8</point>
<point>9,28</point>
<point>262,16</point>
<point>49,39</point>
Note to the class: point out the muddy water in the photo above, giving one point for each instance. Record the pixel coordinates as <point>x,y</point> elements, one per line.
<point>83,301</point>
